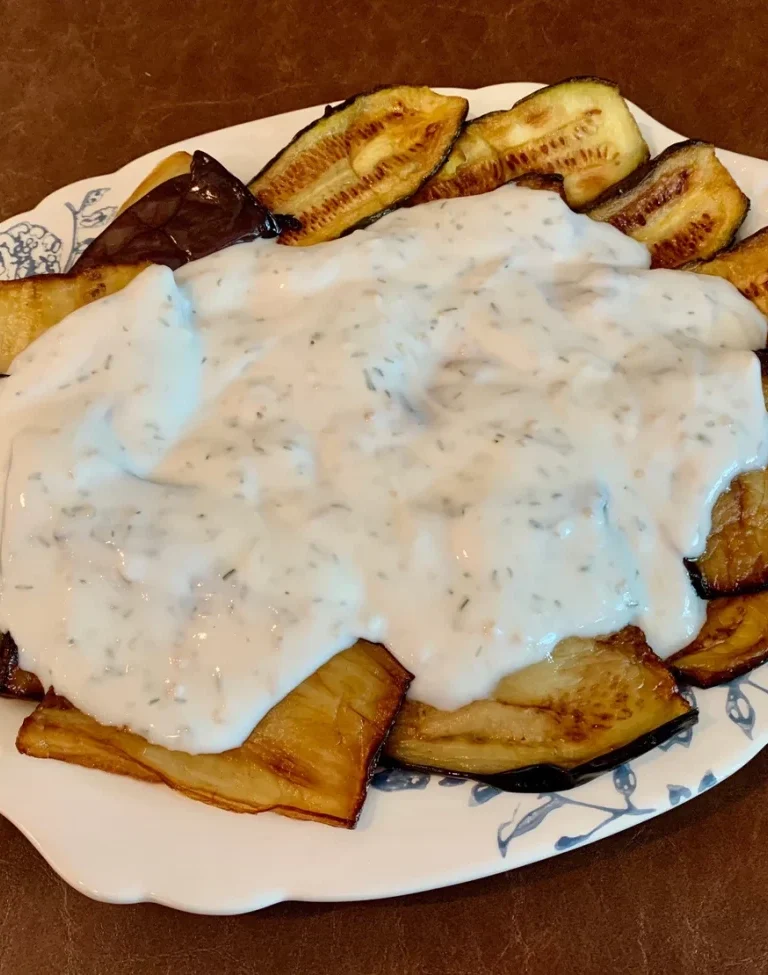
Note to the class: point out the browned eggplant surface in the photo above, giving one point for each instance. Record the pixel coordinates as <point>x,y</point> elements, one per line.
<point>580,129</point>
<point>735,560</point>
<point>590,707</point>
<point>359,160</point>
<point>684,205</point>
<point>733,641</point>
<point>745,266</point>
<point>30,306</point>
<point>310,757</point>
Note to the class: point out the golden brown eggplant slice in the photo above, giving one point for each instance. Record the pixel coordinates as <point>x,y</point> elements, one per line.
<point>745,266</point>
<point>581,129</point>
<point>359,160</point>
<point>310,757</point>
<point>30,306</point>
<point>684,205</point>
<point>733,641</point>
<point>592,706</point>
<point>735,560</point>
<point>183,219</point>
<point>15,682</point>
<point>177,164</point>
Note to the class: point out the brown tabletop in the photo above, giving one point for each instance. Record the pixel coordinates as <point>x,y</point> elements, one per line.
<point>85,86</point>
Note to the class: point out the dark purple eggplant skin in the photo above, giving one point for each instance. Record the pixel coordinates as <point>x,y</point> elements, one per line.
<point>554,778</point>
<point>184,219</point>
<point>14,682</point>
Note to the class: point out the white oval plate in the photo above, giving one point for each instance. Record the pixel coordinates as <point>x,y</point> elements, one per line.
<point>124,841</point>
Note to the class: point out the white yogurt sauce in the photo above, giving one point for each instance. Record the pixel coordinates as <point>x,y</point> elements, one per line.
<point>470,431</point>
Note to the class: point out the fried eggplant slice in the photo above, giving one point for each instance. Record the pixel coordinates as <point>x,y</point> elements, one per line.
<point>180,220</point>
<point>15,682</point>
<point>593,705</point>
<point>580,129</point>
<point>183,219</point>
<point>310,757</point>
<point>361,159</point>
<point>735,561</point>
<point>177,164</point>
<point>30,306</point>
<point>745,266</point>
<point>684,205</point>
<point>733,641</point>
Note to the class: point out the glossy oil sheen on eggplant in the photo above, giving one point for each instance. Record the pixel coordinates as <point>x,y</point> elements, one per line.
<point>589,707</point>
<point>684,205</point>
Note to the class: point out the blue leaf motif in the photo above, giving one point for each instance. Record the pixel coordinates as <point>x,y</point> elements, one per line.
<point>739,709</point>
<point>708,780</point>
<point>685,736</point>
<point>399,780</point>
<point>97,218</point>
<point>93,196</point>
<point>85,219</point>
<point>452,780</point>
<point>689,694</point>
<point>677,793</point>
<point>568,842</point>
<point>482,792</point>
<point>624,780</point>
<point>530,821</point>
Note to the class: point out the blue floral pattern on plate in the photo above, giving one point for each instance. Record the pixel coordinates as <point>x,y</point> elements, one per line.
<point>738,709</point>
<point>29,248</point>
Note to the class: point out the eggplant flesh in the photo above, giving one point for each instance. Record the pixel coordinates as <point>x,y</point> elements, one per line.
<point>183,219</point>
<point>177,164</point>
<point>735,560</point>
<point>359,160</point>
<point>548,182</point>
<point>310,757</point>
<point>580,129</point>
<point>593,705</point>
<point>733,641</point>
<point>30,306</point>
<point>745,266</point>
<point>15,682</point>
<point>684,205</point>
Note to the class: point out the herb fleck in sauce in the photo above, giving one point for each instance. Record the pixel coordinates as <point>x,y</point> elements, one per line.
<point>475,428</point>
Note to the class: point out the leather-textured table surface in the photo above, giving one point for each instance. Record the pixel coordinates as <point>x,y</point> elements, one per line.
<point>87,85</point>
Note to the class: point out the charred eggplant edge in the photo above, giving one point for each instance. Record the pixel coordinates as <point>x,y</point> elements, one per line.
<point>12,678</point>
<point>633,180</point>
<point>703,589</point>
<point>700,677</point>
<point>554,778</point>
